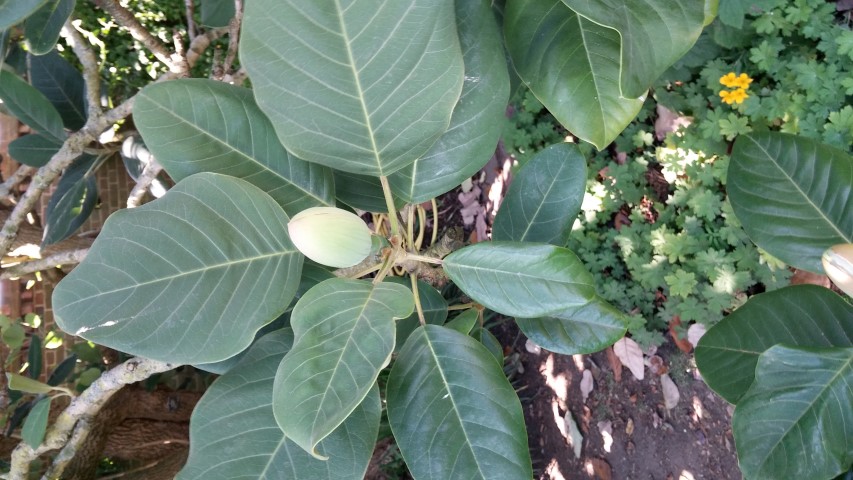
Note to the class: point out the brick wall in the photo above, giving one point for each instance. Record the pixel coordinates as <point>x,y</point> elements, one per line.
<point>114,185</point>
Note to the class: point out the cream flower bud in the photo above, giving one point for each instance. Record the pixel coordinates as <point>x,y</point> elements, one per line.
<point>838,264</point>
<point>330,236</point>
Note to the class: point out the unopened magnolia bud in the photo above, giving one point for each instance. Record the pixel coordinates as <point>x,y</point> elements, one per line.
<point>330,236</point>
<point>838,264</point>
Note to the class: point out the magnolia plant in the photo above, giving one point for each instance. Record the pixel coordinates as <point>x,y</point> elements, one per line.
<point>359,106</point>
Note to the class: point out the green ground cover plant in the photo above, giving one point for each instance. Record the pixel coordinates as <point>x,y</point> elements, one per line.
<point>380,106</point>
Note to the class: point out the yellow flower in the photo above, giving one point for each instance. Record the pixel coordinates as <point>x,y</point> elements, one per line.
<point>729,80</point>
<point>736,81</point>
<point>734,96</point>
<point>743,81</point>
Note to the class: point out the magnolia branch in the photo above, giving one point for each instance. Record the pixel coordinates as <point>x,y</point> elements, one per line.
<point>70,257</point>
<point>233,37</point>
<point>22,173</point>
<point>86,55</point>
<point>78,141</point>
<point>148,175</point>
<point>71,427</point>
<point>126,19</point>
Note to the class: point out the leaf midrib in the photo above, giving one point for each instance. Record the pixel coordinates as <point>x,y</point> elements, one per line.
<point>809,408</point>
<point>797,186</point>
<point>243,154</point>
<point>450,396</point>
<point>359,90</point>
<point>183,274</point>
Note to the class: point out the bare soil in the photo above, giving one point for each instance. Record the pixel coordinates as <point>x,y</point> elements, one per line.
<point>628,434</point>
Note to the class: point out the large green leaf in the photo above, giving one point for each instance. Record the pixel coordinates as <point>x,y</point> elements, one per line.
<point>36,424</point>
<point>188,278</point>
<point>793,195</point>
<point>199,125</point>
<point>62,85</point>
<point>526,280</point>
<point>453,412</point>
<point>29,105</point>
<point>366,87</point>
<point>363,192</point>
<point>572,66</point>
<point>654,34</point>
<point>344,333</point>
<point>34,149</point>
<point>217,13</point>
<point>544,198</point>
<point>801,315</point>
<point>796,420</point>
<point>222,367</point>
<point>13,12</point>
<point>42,27</point>
<point>585,329</point>
<point>73,200</point>
<point>478,118</point>
<point>233,433</point>
<point>433,305</point>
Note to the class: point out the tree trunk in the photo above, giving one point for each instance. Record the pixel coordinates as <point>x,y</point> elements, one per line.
<point>149,428</point>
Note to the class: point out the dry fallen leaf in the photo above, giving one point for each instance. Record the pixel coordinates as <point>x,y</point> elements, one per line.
<point>586,384</point>
<point>669,121</point>
<point>615,365</point>
<point>680,342</point>
<point>574,435</point>
<point>606,429</point>
<point>656,365</point>
<point>670,392</point>
<point>695,332</point>
<point>629,428</point>
<point>601,469</point>
<point>631,355</point>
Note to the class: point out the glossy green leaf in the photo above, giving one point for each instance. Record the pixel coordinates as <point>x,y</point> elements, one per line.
<point>312,274</point>
<point>198,125</point>
<point>222,367</point>
<point>29,105</point>
<point>344,332</point>
<point>585,329</point>
<point>42,27</point>
<point>433,305</point>
<point>478,118</point>
<point>654,34</point>
<point>453,412</point>
<point>795,421</point>
<point>217,13</point>
<point>35,425</point>
<point>365,87</point>
<point>799,316</point>
<point>34,149</point>
<point>793,196</point>
<point>526,280</point>
<point>62,84</point>
<point>233,433</point>
<point>492,344</point>
<point>188,278</point>
<point>72,202</point>
<point>34,360</point>
<point>711,8</point>
<point>13,12</point>
<point>62,371</point>
<point>465,321</point>
<point>362,192</point>
<point>13,335</point>
<point>544,198</point>
<point>27,385</point>
<point>572,66</point>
